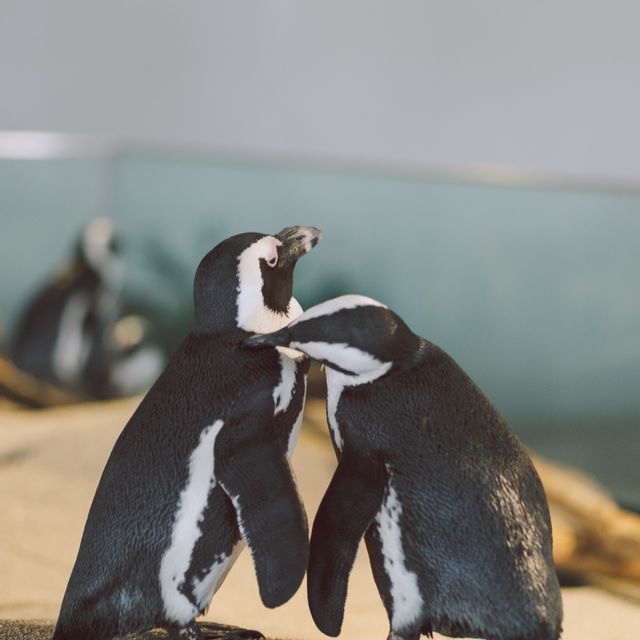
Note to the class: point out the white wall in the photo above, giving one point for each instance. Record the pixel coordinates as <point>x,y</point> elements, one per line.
<point>551,87</point>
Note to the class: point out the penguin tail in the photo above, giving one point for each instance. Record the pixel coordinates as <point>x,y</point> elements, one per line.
<point>280,338</point>
<point>60,633</point>
<point>70,632</point>
<point>83,623</point>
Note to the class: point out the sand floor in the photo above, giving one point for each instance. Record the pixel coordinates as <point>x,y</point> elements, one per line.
<point>50,463</point>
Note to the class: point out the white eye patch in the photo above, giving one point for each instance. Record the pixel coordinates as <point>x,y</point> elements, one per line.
<point>253,315</point>
<point>271,249</point>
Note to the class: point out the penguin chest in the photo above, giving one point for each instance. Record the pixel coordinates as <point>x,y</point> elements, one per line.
<point>405,594</point>
<point>289,395</point>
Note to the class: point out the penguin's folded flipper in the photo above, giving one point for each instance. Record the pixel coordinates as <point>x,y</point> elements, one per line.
<point>252,468</point>
<point>350,503</point>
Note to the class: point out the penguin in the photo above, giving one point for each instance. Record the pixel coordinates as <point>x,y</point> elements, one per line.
<point>133,357</point>
<point>453,513</point>
<point>201,468</point>
<point>58,337</point>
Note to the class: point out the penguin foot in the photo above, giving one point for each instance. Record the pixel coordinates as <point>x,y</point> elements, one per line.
<point>394,635</point>
<point>188,632</point>
<point>215,631</point>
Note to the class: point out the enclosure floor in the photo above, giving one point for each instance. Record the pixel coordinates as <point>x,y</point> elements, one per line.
<point>50,463</point>
<point>42,630</point>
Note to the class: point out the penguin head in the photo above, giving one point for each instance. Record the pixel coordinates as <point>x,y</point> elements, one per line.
<point>356,336</point>
<point>98,249</point>
<point>246,281</point>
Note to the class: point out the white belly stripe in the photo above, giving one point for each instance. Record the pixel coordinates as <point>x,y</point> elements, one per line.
<point>186,530</point>
<point>334,390</point>
<point>405,592</point>
<point>205,589</point>
<point>71,348</point>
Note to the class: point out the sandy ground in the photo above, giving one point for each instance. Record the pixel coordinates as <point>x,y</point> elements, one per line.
<point>50,463</point>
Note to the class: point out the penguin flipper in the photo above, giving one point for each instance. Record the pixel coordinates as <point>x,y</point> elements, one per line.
<point>254,472</point>
<point>350,503</point>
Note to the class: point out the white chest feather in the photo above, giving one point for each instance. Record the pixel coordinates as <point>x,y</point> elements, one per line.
<point>283,392</point>
<point>405,592</point>
<point>335,387</point>
<point>352,359</point>
<point>295,430</point>
<point>71,348</point>
<point>204,589</point>
<point>186,527</point>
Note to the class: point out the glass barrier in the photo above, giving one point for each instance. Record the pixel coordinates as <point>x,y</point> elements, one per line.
<point>532,289</point>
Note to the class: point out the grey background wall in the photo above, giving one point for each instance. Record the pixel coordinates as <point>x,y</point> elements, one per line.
<point>550,86</point>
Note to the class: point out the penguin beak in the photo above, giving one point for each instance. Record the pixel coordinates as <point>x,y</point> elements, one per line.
<point>276,339</point>
<point>296,241</point>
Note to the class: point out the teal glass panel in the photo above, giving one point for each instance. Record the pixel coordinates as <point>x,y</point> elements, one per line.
<point>534,290</point>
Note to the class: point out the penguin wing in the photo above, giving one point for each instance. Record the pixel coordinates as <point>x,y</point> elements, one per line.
<point>350,503</point>
<point>252,468</point>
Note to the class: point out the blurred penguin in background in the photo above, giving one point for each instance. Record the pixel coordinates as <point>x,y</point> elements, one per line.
<point>72,333</point>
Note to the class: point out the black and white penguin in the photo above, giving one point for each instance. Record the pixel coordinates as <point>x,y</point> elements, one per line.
<point>453,513</point>
<point>201,467</point>
<point>59,336</point>
<point>128,361</point>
